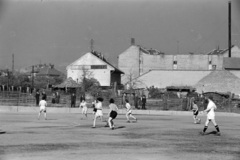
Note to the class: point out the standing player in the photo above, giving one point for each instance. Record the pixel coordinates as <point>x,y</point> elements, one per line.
<point>112,113</point>
<point>129,111</point>
<point>99,112</point>
<point>43,105</point>
<point>195,112</point>
<point>210,116</point>
<point>83,105</point>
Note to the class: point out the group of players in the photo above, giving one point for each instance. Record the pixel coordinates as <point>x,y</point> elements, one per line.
<point>112,114</point>
<point>97,111</point>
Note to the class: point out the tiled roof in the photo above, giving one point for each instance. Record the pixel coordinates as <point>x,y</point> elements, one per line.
<point>49,71</point>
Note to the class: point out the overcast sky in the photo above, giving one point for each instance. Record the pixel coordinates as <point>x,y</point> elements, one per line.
<point>59,31</point>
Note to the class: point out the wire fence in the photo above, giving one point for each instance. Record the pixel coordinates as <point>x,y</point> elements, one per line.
<point>16,98</point>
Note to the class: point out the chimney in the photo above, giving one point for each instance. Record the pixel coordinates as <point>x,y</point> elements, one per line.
<point>132,41</point>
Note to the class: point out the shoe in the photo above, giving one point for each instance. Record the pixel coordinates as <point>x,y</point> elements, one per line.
<point>202,133</point>
<point>128,121</point>
<point>218,134</point>
<point>93,127</point>
<point>112,128</point>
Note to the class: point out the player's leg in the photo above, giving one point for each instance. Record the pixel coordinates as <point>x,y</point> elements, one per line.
<point>133,117</point>
<point>86,112</point>
<point>45,114</point>
<point>109,122</point>
<point>216,126</point>
<point>94,121</point>
<point>127,117</point>
<point>205,127</point>
<point>39,114</point>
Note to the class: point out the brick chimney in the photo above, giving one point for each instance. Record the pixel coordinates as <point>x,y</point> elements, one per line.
<point>132,41</point>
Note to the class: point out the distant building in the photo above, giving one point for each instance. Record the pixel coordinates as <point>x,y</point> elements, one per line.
<point>155,68</point>
<point>41,70</point>
<point>97,65</point>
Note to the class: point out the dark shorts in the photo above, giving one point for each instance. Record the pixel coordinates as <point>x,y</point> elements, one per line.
<point>113,114</point>
<point>195,113</point>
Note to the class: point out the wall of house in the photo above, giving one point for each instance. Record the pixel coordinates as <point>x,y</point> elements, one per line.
<point>102,75</point>
<point>164,78</point>
<point>235,52</point>
<point>128,62</point>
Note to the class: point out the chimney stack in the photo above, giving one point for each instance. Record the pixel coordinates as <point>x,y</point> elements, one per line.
<point>132,41</point>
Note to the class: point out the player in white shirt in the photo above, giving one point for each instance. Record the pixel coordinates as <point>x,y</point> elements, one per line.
<point>43,105</point>
<point>99,112</point>
<point>83,105</point>
<point>129,111</point>
<point>210,116</point>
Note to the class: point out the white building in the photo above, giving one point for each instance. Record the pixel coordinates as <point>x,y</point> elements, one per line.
<point>99,68</point>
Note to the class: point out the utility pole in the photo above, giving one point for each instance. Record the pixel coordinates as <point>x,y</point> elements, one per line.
<point>229,30</point>
<point>32,77</point>
<point>12,64</point>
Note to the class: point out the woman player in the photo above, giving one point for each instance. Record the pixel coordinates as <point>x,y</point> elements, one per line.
<point>195,112</point>
<point>99,112</point>
<point>83,105</point>
<point>43,105</point>
<point>210,116</point>
<point>112,113</point>
<point>129,111</point>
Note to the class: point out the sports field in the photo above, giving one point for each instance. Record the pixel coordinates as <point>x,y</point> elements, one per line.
<point>66,136</point>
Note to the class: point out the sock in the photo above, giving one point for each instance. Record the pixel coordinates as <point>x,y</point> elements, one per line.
<point>205,128</point>
<point>217,128</point>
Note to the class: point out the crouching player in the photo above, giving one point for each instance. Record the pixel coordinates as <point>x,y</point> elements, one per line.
<point>210,116</point>
<point>112,113</point>
<point>195,113</point>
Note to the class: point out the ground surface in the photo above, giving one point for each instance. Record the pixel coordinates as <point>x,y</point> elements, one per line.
<point>67,136</point>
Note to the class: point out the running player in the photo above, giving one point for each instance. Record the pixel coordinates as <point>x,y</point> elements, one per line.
<point>83,105</point>
<point>129,111</point>
<point>210,116</point>
<point>43,105</point>
<point>112,113</point>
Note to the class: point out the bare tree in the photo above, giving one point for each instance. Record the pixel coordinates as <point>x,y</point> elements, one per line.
<point>132,81</point>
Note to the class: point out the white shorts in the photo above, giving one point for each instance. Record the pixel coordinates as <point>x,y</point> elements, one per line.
<point>99,113</point>
<point>43,109</point>
<point>84,110</point>
<point>129,112</point>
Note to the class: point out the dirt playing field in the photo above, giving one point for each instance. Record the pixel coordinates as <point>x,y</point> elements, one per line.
<point>67,136</point>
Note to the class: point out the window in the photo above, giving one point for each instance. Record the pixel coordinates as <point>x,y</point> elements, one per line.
<point>98,66</point>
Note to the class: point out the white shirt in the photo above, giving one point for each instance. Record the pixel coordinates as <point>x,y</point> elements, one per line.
<point>210,109</point>
<point>43,103</point>
<point>99,105</point>
<point>128,106</point>
<point>83,104</point>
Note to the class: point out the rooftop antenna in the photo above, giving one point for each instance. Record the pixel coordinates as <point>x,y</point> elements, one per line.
<point>91,45</point>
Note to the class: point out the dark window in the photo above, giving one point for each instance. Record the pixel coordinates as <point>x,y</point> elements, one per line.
<point>98,66</point>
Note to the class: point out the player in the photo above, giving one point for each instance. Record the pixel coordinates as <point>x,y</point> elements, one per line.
<point>83,105</point>
<point>195,112</point>
<point>112,113</point>
<point>43,105</point>
<point>210,116</point>
<point>99,112</point>
<point>129,111</point>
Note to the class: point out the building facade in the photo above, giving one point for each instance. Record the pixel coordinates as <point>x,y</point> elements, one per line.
<point>154,68</point>
<point>93,65</point>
